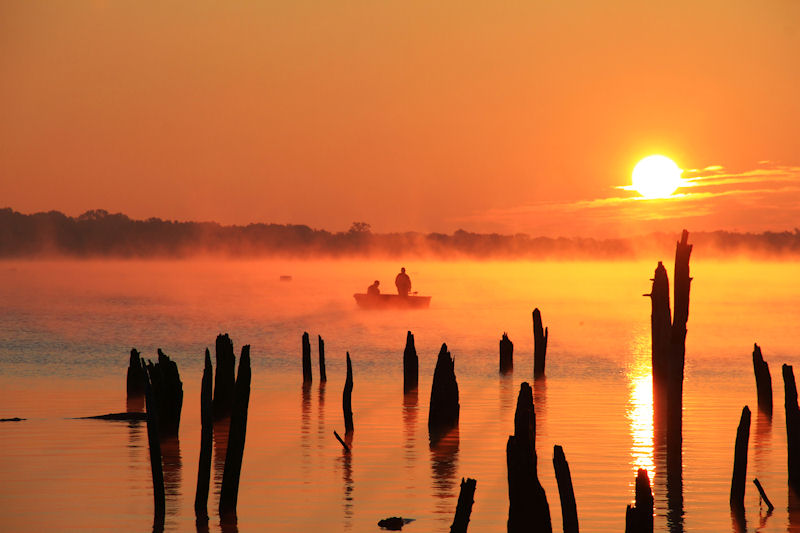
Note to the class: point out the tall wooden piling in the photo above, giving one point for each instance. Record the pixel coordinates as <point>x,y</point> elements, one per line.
<point>792,427</point>
<point>506,354</point>
<point>410,365</point>
<point>206,441</point>
<point>229,492</point>
<point>466,498</point>
<point>739,479</point>
<point>660,326</point>
<point>569,510</point>
<point>528,509</point>
<point>443,410</point>
<point>639,517</point>
<point>136,375</point>
<point>224,377</point>
<point>154,443</point>
<point>347,405</point>
<point>167,393</point>
<point>322,375</point>
<point>539,344</point>
<point>763,381</point>
<point>677,344</point>
<point>306,358</point>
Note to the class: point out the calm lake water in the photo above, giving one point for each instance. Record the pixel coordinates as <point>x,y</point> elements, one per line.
<point>66,329</point>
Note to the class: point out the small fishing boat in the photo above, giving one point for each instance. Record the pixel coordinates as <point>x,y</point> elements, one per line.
<point>391,301</point>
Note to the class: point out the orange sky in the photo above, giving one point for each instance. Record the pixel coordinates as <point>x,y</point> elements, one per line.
<point>433,116</point>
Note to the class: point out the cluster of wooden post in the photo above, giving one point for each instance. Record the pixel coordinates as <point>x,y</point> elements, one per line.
<point>167,394</point>
<point>224,377</point>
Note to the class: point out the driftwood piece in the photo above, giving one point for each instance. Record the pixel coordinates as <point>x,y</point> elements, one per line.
<point>341,441</point>
<point>739,479</point>
<point>129,416</point>
<point>136,375</point>
<point>528,509</point>
<point>763,494</point>
<point>167,394</point>
<point>322,375</point>
<point>466,497</point>
<point>444,408</point>
<point>154,444</point>
<point>539,344</point>
<point>393,523</point>
<point>569,510</point>
<point>18,419</point>
<point>224,377</point>
<point>306,358</point>
<point>639,517</point>
<point>506,354</point>
<point>347,393</point>
<point>763,381</point>
<point>410,365</point>
<point>229,492</point>
<point>792,427</point>
<point>206,441</point>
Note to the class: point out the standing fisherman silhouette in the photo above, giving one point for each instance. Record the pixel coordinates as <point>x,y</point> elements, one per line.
<point>403,283</point>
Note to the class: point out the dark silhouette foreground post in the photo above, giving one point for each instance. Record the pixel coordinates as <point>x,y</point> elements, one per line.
<point>444,408</point>
<point>739,479</point>
<point>528,509</point>
<point>167,393</point>
<point>154,443</point>
<point>224,377</point>
<point>464,507</point>
<point>569,510</point>
<point>229,492</point>
<point>347,393</point>
<point>306,358</point>
<point>410,365</point>
<point>639,517</point>
<point>792,427</point>
<point>763,381</point>
<point>322,375</point>
<point>206,441</point>
<point>506,354</point>
<point>539,344</point>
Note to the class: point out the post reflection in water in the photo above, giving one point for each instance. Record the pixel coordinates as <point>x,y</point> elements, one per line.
<point>540,405</point>
<point>410,413</point>
<point>305,431</point>
<point>506,391</point>
<point>444,465</point>
<point>221,427</point>
<point>321,416</point>
<point>171,459</point>
<point>346,463</point>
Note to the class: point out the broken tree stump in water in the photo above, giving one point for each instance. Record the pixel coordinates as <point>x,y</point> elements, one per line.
<point>739,479</point>
<point>466,498</point>
<point>229,492</point>
<point>677,343</point>
<point>539,344</point>
<point>347,393</point>
<point>569,510</point>
<point>206,441</point>
<point>506,354</point>
<point>306,358</point>
<point>322,375</point>
<point>444,408</point>
<point>154,444</point>
<point>528,509</point>
<point>136,375</point>
<point>792,427</point>
<point>639,517</point>
<point>410,365</point>
<point>224,377</point>
<point>167,394</point>
<point>763,381</point>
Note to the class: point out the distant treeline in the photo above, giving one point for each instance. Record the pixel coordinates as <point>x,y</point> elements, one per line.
<point>98,233</point>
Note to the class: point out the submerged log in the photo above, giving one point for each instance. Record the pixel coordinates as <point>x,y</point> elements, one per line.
<point>763,381</point>
<point>639,517</point>
<point>224,377</point>
<point>444,408</point>
<point>306,358</point>
<point>464,507</point>
<point>347,393</point>
<point>792,427</point>
<point>154,444</point>
<point>739,479</point>
<point>506,354</point>
<point>322,375</point>
<point>569,510</point>
<point>528,509</point>
<point>136,374</point>
<point>206,441</point>
<point>229,492</point>
<point>167,393</point>
<point>410,365</point>
<point>539,344</point>
<point>129,416</point>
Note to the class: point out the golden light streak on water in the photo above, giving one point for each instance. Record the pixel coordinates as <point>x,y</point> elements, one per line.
<point>640,406</point>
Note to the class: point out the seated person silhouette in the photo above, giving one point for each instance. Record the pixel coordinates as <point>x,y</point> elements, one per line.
<point>403,283</point>
<point>373,289</point>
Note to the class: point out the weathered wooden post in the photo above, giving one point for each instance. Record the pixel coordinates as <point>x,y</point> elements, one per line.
<point>154,442</point>
<point>206,438</point>
<point>739,479</point>
<point>639,517</point>
<point>464,507</point>
<point>229,492</point>
<point>224,377</point>
<point>506,354</point>
<point>569,510</point>
<point>660,326</point>
<point>528,509</point>
<point>792,427</point>
<point>444,408</point>
<point>763,381</point>
<point>136,375</point>
<point>410,365</point>
<point>306,358</point>
<point>322,375</point>
<point>347,405</point>
<point>677,342</point>
<point>539,344</point>
<point>168,394</point>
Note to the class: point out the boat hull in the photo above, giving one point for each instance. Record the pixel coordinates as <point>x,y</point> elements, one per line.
<point>391,301</point>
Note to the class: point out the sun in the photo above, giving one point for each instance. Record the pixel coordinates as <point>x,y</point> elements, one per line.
<point>656,176</point>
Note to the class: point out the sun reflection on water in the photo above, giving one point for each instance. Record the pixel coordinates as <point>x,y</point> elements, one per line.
<point>640,406</point>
